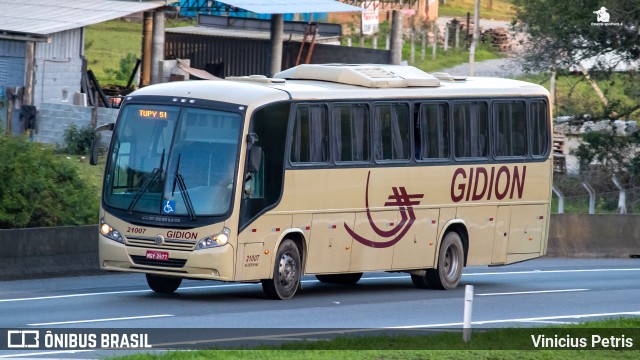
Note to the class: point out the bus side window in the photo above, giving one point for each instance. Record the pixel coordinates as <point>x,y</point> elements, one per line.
<point>539,126</point>
<point>471,129</point>
<point>434,131</point>
<point>351,132</point>
<point>310,135</point>
<point>510,128</point>
<point>392,129</point>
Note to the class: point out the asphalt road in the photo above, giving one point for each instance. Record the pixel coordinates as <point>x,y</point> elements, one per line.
<point>533,293</point>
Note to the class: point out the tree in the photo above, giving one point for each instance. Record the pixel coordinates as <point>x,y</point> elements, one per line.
<point>563,33</point>
<point>614,154</point>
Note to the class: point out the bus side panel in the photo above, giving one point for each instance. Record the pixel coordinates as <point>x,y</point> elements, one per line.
<point>302,221</point>
<point>525,232</point>
<point>364,257</point>
<point>446,215</point>
<point>265,230</point>
<point>501,239</point>
<point>480,221</point>
<point>330,244</point>
<point>417,249</point>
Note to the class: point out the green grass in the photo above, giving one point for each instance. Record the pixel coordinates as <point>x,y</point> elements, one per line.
<point>443,60</point>
<point>429,346</point>
<point>575,95</point>
<point>500,9</point>
<point>450,58</point>
<point>89,173</point>
<point>107,42</point>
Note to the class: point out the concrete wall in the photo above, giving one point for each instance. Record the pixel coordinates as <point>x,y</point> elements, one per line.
<point>73,250</point>
<point>47,252</point>
<point>600,235</point>
<point>53,119</point>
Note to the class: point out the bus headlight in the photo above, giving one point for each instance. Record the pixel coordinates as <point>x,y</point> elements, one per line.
<point>215,240</point>
<point>111,233</point>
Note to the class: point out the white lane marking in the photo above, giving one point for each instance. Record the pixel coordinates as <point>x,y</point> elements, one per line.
<point>45,353</point>
<point>542,318</point>
<point>547,271</point>
<point>551,322</point>
<point>532,292</point>
<point>101,320</point>
<point>303,281</point>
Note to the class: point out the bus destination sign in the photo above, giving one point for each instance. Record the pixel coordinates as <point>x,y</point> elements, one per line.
<point>153,114</point>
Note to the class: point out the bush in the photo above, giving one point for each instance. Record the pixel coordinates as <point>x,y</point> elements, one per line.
<point>40,189</point>
<point>127,63</point>
<point>78,141</point>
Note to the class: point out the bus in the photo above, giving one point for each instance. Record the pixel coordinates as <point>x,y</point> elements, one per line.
<point>327,170</point>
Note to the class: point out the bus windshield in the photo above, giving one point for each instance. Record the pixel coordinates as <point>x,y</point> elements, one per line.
<point>173,160</point>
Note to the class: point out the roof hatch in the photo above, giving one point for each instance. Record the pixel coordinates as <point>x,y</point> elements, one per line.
<point>372,76</point>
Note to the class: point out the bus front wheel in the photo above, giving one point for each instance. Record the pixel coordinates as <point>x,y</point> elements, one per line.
<point>286,272</point>
<point>450,263</point>
<point>163,285</point>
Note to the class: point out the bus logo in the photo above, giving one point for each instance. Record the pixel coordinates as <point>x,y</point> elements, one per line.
<point>404,202</point>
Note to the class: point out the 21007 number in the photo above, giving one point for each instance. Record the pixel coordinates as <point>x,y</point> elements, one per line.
<point>135,230</point>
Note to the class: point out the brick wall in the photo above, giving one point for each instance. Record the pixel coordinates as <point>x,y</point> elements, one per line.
<point>54,118</point>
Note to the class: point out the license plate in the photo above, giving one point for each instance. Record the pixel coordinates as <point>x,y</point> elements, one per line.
<point>157,255</point>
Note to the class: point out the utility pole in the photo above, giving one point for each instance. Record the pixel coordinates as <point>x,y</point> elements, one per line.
<point>277,25</point>
<point>396,38</point>
<point>474,41</point>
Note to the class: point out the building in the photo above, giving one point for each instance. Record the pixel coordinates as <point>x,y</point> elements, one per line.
<point>42,51</point>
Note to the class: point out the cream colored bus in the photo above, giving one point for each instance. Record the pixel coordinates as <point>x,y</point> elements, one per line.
<point>331,170</point>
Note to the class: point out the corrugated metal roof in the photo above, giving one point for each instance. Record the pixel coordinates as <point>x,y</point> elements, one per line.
<point>246,34</point>
<point>44,17</point>
<point>291,6</point>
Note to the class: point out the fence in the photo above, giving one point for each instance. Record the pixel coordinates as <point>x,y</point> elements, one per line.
<point>624,201</point>
<point>425,40</point>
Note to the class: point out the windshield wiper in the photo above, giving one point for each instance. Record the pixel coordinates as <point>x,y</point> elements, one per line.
<point>155,174</point>
<point>178,178</point>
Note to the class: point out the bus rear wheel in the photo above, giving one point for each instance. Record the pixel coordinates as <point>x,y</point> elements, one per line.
<point>286,272</point>
<point>344,279</point>
<point>163,285</point>
<point>450,263</point>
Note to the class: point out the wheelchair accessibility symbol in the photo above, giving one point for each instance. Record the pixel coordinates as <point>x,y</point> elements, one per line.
<point>169,207</point>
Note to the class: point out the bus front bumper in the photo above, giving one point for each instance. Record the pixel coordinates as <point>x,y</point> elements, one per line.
<point>211,264</point>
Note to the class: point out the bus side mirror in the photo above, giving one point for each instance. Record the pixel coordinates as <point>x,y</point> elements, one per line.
<point>95,143</point>
<point>252,139</point>
<point>255,158</point>
<point>95,151</point>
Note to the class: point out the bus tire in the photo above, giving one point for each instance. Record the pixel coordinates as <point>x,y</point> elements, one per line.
<point>450,264</point>
<point>163,285</point>
<point>286,272</point>
<point>344,279</point>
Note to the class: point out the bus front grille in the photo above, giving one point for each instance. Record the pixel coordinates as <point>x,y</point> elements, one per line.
<point>168,244</point>
<point>172,263</point>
